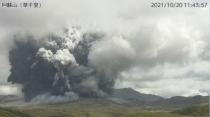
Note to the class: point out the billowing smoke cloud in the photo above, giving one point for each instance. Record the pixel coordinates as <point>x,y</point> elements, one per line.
<point>57,66</point>
<point>142,46</point>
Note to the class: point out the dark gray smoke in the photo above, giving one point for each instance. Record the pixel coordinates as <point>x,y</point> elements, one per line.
<point>56,66</point>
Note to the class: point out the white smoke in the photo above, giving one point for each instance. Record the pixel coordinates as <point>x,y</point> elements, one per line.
<point>47,98</point>
<point>45,54</point>
<point>64,57</point>
<point>112,54</point>
<point>64,44</point>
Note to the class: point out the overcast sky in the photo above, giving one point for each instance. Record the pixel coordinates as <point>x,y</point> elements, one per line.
<point>163,51</point>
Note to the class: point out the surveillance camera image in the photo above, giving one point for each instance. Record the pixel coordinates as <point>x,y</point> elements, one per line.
<point>104,58</point>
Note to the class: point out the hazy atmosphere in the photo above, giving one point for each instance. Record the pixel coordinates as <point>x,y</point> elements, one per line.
<point>154,51</point>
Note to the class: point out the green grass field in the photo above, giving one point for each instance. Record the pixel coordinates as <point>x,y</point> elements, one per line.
<point>84,113</point>
<point>97,110</point>
<point>5,112</point>
<point>195,111</point>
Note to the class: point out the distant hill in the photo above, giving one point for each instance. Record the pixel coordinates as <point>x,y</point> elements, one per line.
<point>129,97</point>
<point>9,98</point>
<point>181,102</point>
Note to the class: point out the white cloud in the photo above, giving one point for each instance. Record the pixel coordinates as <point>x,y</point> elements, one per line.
<point>9,90</point>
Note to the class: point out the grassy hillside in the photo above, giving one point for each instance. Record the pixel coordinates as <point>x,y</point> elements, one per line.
<point>195,111</point>
<point>96,108</point>
<point>93,109</point>
<point>5,112</point>
<point>84,113</point>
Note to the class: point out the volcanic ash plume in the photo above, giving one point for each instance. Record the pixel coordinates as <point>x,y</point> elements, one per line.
<point>56,66</point>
